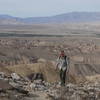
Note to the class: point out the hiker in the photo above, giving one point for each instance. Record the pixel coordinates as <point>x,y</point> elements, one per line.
<point>62,63</point>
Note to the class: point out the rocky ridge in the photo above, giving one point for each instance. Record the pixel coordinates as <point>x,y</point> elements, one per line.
<point>15,87</point>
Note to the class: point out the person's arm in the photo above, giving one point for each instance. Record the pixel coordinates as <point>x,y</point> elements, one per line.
<point>57,66</point>
<point>68,64</point>
<point>57,63</point>
<point>68,61</point>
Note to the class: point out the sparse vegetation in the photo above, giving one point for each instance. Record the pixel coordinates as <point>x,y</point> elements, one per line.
<point>26,54</point>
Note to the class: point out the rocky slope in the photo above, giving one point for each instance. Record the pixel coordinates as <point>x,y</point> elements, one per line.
<point>14,87</point>
<point>27,69</point>
<point>25,56</point>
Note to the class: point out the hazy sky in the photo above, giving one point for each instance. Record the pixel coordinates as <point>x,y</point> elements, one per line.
<point>32,8</point>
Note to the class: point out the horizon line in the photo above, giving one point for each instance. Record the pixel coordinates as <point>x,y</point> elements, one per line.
<point>10,15</point>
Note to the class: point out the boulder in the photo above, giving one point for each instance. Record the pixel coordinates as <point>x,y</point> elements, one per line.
<point>15,76</point>
<point>2,75</point>
<point>36,76</point>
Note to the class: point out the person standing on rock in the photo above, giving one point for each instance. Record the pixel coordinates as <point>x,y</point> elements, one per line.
<point>62,64</point>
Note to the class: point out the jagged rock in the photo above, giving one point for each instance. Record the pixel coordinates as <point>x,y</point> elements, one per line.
<point>38,85</point>
<point>15,89</point>
<point>2,75</point>
<point>20,90</point>
<point>36,76</point>
<point>14,84</point>
<point>70,85</point>
<point>15,76</point>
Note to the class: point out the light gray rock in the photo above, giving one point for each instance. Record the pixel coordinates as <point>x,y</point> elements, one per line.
<point>15,76</point>
<point>2,75</point>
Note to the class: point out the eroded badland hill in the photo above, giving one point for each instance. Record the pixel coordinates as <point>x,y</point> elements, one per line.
<point>27,66</point>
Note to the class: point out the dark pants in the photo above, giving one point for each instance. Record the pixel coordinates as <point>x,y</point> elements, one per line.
<point>63,76</point>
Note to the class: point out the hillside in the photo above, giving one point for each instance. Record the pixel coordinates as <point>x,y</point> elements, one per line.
<point>27,67</point>
<point>62,18</point>
<point>24,56</point>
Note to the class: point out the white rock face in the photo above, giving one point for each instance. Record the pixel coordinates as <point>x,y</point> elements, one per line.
<point>41,60</point>
<point>15,76</point>
<point>2,75</point>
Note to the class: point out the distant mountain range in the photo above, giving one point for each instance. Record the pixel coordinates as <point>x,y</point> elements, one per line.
<point>62,18</point>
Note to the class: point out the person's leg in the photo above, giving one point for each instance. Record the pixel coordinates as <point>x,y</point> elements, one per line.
<point>64,77</point>
<point>61,76</point>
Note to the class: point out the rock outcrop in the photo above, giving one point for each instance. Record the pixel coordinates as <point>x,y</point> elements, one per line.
<point>23,89</point>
